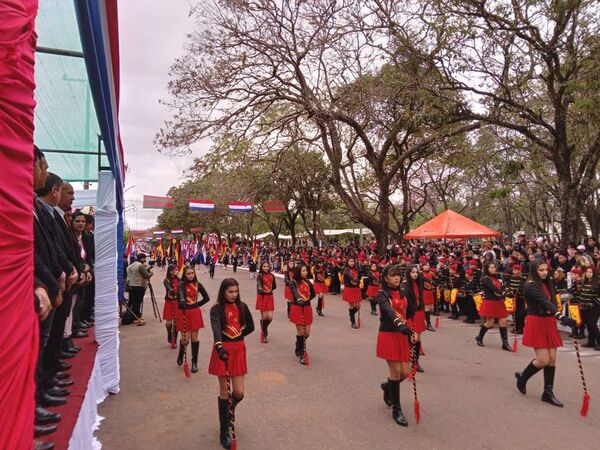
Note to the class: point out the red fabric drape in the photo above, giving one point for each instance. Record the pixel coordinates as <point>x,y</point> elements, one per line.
<point>18,322</point>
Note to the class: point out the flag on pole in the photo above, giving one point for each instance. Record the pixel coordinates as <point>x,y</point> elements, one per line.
<point>153,202</point>
<point>201,205</point>
<point>160,250</point>
<point>130,245</point>
<point>240,207</point>
<point>177,231</point>
<point>255,252</point>
<point>158,232</point>
<point>272,207</point>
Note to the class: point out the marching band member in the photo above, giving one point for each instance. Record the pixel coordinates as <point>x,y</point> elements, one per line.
<point>319,285</point>
<point>515,289</point>
<point>540,330</point>
<point>412,289</point>
<point>287,279</point>
<point>301,312</point>
<point>171,283</point>
<point>393,338</point>
<point>231,322</point>
<point>428,293</point>
<point>493,307</point>
<point>352,294</point>
<point>189,314</point>
<point>373,286</point>
<point>265,285</point>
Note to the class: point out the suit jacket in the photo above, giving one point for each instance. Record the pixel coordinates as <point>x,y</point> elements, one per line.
<point>88,244</point>
<point>46,267</point>
<point>50,225</point>
<point>68,242</point>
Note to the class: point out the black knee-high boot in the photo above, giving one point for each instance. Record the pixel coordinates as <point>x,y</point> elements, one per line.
<point>394,386</point>
<point>352,313</point>
<point>181,352</point>
<point>417,351</point>
<point>224,435</point>
<point>195,348</point>
<point>428,321</point>
<point>373,307</point>
<point>481,334</point>
<point>523,377</point>
<point>320,306</point>
<point>298,345</point>
<point>302,349</point>
<point>504,337</point>
<point>265,329</point>
<point>168,334</point>
<point>548,395</point>
<point>289,305</point>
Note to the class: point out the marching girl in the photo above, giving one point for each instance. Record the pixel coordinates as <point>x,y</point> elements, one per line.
<point>374,281</point>
<point>265,285</point>
<point>393,338</point>
<point>540,330</point>
<point>288,276</point>
<point>301,312</point>
<point>231,322</point>
<point>171,284</point>
<point>352,294</point>
<point>412,289</point>
<point>189,316</point>
<point>319,285</point>
<point>493,305</point>
<point>428,294</point>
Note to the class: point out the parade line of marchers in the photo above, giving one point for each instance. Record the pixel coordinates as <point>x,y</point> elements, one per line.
<point>407,297</point>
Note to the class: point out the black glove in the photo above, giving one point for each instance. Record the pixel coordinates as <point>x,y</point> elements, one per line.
<point>568,321</point>
<point>223,354</point>
<point>404,329</point>
<point>300,302</point>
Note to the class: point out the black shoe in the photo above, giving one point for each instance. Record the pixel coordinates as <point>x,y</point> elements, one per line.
<point>61,375</point>
<point>320,312</point>
<point>419,368</point>
<point>58,392</point>
<point>523,377</point>
<point>67,355</point>
<point>265,339</point>
<point>194,367</point>
<point>180,356</point>
<point>506,346</point>
<point>72,349</point>
<point>47,400</point>
<point>86,324</point>
<point>394,387</point>
<point>79,334</point>
<point>62,366</point>
<point>44,417</point>
<point>301,359</point>
<point>43,430</point>
<point>224,436</point>
<point>385,387</point>
<point>548,397</point>
<point>430,328</point>
<point>353,325</point>
<point>399,417</point>
<point>64,383</point>
<point>42,445</point>
<point>471,321</point>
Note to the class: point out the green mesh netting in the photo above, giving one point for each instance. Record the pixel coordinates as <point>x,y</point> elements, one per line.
<point>66,127</point>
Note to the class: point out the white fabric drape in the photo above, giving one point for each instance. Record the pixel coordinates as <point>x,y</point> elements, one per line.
<point>89,420</point>
<point>106,306</point>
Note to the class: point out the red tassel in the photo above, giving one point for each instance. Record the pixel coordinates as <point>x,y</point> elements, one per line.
<point>186,370</point>
<point>417,411</point>
<point>172,344</point>
<point>262,337</point>
<point>233,445</point>
<point>437,322</point>
<point>514,349</point>
<point>586,405</point>
<point>306,357</point>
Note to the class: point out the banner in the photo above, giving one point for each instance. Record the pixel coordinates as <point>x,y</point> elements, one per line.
<point>272,207</point>
<point>152,202</point>
<point>201,205</point>
<point>240,207</point>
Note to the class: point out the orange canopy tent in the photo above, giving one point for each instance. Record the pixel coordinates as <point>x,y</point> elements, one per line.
<point>450,225</point>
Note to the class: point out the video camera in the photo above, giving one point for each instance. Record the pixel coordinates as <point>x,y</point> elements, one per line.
<point>151,262</point>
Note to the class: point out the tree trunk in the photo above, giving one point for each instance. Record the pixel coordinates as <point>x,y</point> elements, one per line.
<point>570,208</point>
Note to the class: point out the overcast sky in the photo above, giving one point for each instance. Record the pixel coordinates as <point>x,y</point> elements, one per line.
<point>152,34</point>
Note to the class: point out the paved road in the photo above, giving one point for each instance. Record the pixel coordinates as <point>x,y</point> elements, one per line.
<point>467,392</point>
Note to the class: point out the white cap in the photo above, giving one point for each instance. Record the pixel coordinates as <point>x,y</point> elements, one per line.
<point>581,248</point>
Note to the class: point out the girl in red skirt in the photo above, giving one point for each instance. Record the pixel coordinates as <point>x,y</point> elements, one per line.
<point>301,312</point>
<point>352,294</point>
<point>393,338</point>
<point>412,289</point>
<point>373,280</point>
<point>288,276</point>
<point>319,285</point>
<point>231,322</point>
<point>189,316</point>
<point>265,285</point>
<point>540,330</point>
<point>171,284</point>
<point>427,277</point>
<point>492,308</point>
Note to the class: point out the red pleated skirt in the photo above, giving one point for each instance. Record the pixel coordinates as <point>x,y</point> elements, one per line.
<point>265,302</point>
<point>296,313</point>
<point>193,319</point>
<point>170,310</point>
<point>393,346</point>
<point>541,332</point>
<point>428,297</point>
<point>417,324</point>
<point>287,294</point>
<point>493,309</point>
<point>352,295</point>
<point>320,288</point>
<point>372,291</point>
<point>237,360</point>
